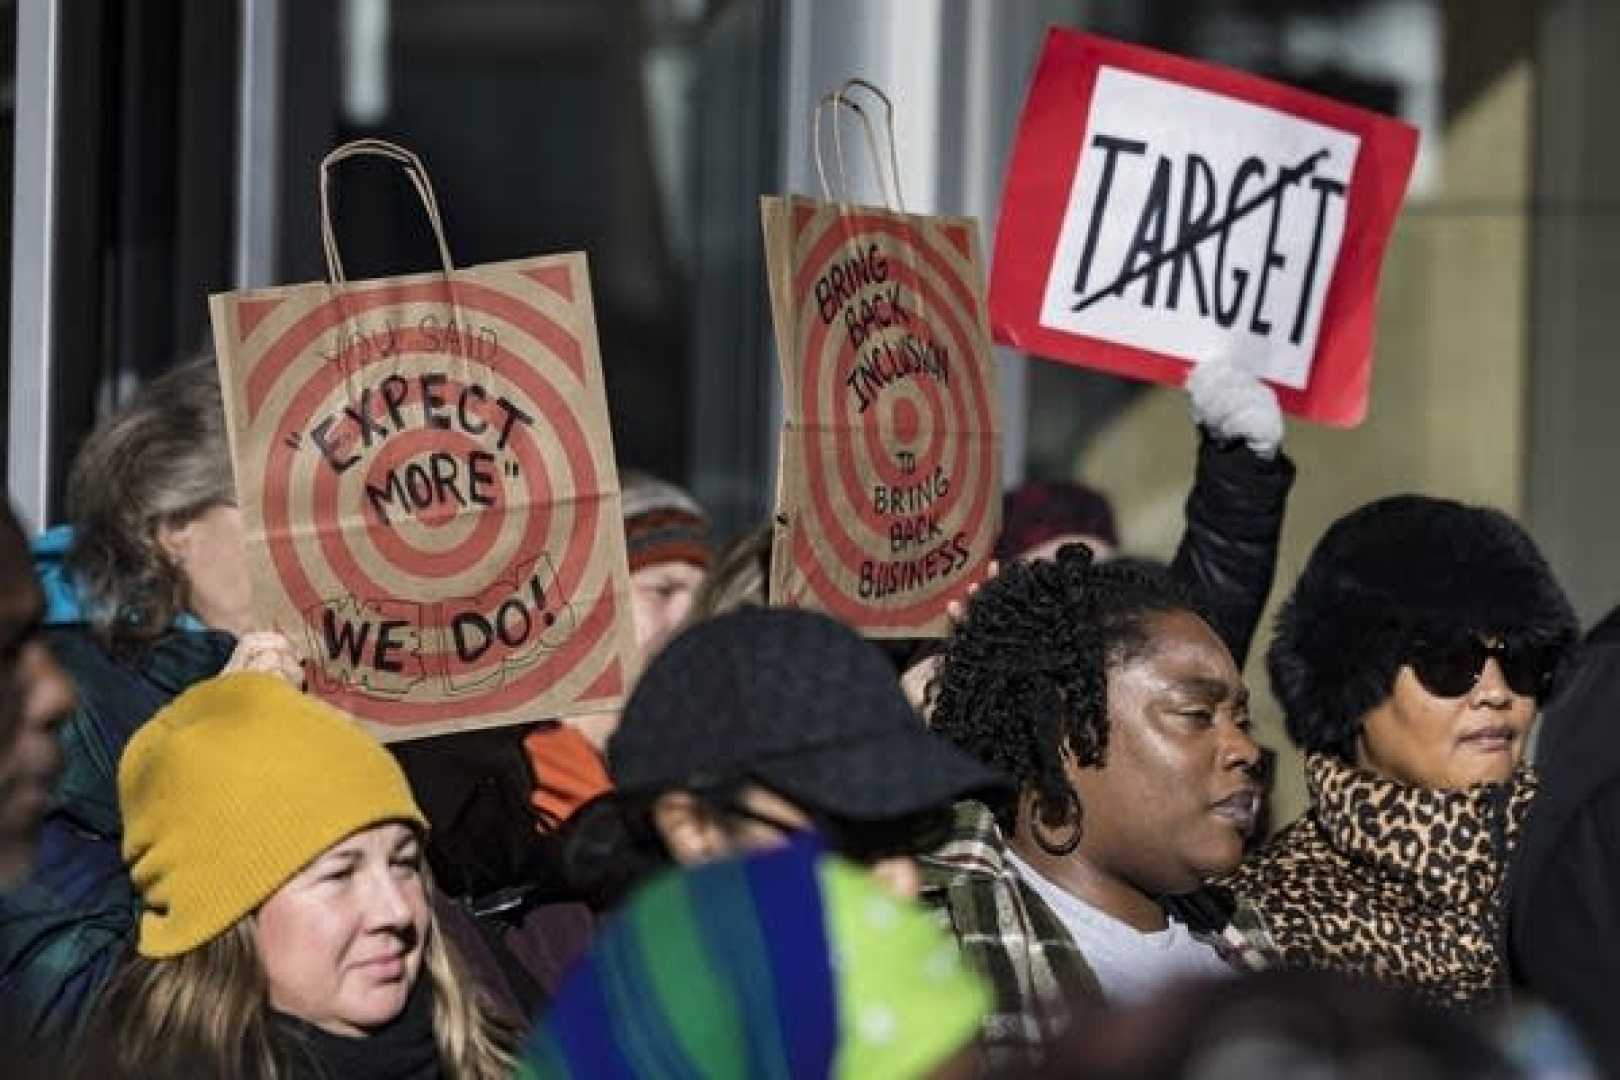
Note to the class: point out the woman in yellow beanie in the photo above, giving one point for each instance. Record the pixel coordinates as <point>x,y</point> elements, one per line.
<point>286,929</point>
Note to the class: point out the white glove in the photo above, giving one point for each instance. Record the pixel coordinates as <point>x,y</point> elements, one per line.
<point>1232,404</point>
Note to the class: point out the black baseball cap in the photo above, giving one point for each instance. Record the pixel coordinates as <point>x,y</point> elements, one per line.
<point>796,701</point>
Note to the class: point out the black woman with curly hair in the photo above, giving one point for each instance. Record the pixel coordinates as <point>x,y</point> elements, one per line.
<point>1121,715</point>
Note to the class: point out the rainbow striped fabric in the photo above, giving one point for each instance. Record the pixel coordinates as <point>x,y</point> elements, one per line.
<point>787,964</point>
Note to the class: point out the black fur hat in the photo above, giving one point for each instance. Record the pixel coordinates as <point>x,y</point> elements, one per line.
<point>1384,573</point>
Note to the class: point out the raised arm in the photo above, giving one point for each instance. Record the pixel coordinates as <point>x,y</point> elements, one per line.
<point>1228,553</point>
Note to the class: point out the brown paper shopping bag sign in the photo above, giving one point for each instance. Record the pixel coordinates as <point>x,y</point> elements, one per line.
<point>888,490</point>
<point>426,473</point>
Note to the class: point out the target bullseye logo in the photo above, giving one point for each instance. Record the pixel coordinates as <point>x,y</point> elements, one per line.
<point>890,503</point>
<point>905,421</point>
<point>429,483</point>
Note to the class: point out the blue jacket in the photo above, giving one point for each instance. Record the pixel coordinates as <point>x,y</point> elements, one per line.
<point>64,931</point>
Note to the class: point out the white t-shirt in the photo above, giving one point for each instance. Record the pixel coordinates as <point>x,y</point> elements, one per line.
<point>1130,965</point>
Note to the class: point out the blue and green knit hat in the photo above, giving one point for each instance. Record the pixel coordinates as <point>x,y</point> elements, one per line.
<point>786,964</point>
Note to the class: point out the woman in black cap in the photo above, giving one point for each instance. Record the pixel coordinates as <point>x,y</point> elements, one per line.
<point>755,725</point>
<point>1410,662</point>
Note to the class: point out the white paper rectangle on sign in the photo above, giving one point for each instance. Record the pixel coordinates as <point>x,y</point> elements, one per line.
<point>1201,226</point>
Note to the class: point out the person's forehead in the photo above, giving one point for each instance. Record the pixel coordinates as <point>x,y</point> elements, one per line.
<point>1182,648</point>
<point>1182,627</point>
<point>383,835</point>
<point>673,570</point>
<point>1212,687</point>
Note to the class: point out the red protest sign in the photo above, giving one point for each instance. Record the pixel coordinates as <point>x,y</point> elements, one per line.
<point>888,494</point>
<point>426,474</point>
<point>1159,211</point>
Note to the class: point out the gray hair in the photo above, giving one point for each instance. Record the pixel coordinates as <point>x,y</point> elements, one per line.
<point>161,460</point>
<point>741,577</point>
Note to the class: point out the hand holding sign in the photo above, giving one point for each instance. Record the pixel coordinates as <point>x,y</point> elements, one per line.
<point>267,651</point>
<point>1159,210</point>
<point>1232,404</point>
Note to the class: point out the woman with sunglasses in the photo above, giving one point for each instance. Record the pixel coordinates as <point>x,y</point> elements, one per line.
<point>752,727</point>
<point>1411,661</point>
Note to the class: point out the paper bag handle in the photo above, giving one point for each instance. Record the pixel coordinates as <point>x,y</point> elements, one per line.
<point>840,98</point>
<point>419,180</point>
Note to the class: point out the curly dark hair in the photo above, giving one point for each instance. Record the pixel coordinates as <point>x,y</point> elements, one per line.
<point>1025,675</point>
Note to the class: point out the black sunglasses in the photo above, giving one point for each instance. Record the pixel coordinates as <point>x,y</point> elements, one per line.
<point>1451,667</point>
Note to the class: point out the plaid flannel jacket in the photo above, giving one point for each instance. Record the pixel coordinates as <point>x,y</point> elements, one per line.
<point>1038,973</point>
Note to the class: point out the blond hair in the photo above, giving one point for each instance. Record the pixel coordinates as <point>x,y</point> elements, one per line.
<point>207,1013</point>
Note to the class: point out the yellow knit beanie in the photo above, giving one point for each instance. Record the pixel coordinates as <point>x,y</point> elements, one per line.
<point>234,787</point>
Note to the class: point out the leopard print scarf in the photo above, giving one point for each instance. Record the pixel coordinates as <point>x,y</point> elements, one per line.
<point>1398,883</point>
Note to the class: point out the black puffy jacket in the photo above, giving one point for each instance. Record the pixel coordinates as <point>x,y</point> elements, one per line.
<point>1228,554</point>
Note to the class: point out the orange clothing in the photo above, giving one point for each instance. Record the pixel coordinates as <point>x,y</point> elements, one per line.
<point>568,773</point>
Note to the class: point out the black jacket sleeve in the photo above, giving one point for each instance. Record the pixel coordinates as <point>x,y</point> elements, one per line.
<point>1228,554</point>
<point>1564,922</point>
<point>1564,880</point>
